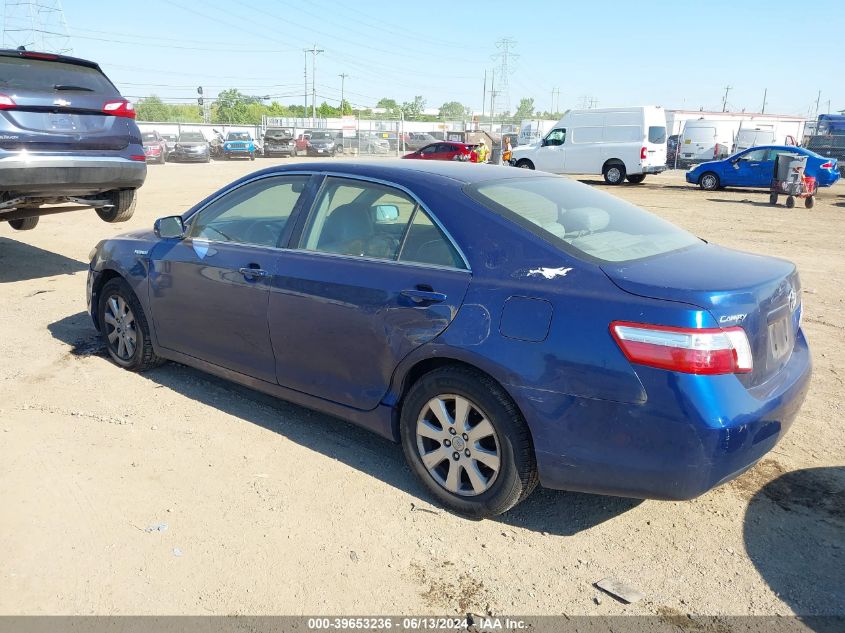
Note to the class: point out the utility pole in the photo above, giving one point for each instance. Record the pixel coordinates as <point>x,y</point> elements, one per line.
<point>305,111</point>
<point>343,77</point>
<point>725,99</point>
<point>505,57</point>
<point>314,52</point>
<point>818,98</point>
<point>492,99</point>
<point>765,92</point>
<point>484,97</point>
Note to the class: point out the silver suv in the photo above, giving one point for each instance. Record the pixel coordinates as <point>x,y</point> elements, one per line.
<point>66,136</point>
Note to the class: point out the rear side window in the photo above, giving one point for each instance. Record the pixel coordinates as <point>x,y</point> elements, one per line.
<point>581,220</point>
<point>657,134</point>
<point>23,73</point>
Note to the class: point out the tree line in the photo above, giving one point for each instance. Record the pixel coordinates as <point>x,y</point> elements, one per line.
<point>235,107</point>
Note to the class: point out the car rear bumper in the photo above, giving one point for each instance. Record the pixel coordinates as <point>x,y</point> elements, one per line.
<point>184,157</point>
<point>654,169</point>
<point>693,432</point>
<point>55,174</point>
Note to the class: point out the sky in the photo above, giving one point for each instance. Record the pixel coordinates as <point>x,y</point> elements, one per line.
<point>676,54</point>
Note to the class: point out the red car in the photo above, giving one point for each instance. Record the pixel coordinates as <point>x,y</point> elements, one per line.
<point>446,150</point>
<point>155,147</point>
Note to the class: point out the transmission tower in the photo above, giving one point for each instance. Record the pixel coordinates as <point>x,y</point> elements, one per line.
<point>505,57</point>
<point>36,24</point>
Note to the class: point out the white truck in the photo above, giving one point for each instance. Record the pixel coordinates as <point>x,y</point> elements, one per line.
<point>618,143</point>
<point>532,130</point>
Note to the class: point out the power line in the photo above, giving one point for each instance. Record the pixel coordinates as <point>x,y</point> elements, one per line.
<point>36,24</point>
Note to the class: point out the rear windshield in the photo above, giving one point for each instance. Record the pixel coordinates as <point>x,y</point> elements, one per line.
<point>657,134</point>
<point>191,137</point>
<point>580,219</point>
<point>700,134</point>
<point>23,73</point>
<point>237,136</point>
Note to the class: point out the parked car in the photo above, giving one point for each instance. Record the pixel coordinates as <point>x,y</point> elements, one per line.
<point>301,144</point>
<point>538,329</point>
<point>238,144</point>
<point>418,140</point>
<point>66,135</point>
<point>320,143</point>
<point>705,140</point>
<point>672,144</point>
<point>446,150</point>
<point>279,141</point>
<point>192,147</point>
<point>619,143</point>
<point>170,140</point>
<point>155,147</point>
<point>755,168</point>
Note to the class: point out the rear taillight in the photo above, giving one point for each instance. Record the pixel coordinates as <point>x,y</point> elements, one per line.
<point>688,350</point>
<point>827,165</point>
<point>644,153</point>
<point>6,102</point>
<point>119,108</point>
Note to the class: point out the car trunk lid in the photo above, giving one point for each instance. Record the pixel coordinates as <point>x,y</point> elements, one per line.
<point>760,294</point>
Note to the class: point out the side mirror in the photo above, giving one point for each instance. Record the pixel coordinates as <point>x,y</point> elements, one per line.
<point>386,213</point>
<point>543,142</point>
<point>171,227</point>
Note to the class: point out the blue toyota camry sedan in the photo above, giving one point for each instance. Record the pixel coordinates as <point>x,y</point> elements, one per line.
<point>755,167</point>
<point>506,327</point>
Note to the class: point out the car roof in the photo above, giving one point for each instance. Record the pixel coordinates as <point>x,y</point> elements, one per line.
<point>50,57</point>
<point>406,170</point>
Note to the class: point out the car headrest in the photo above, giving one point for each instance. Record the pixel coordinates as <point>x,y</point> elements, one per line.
<point>347,222</point>
<point>588,219</point>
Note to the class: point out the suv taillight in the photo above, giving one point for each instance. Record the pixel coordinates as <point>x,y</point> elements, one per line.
<point>6,102</point>
<point>643,153</point>
<point>688,350</point>
<point>119,108</point>
<point>827,165</point>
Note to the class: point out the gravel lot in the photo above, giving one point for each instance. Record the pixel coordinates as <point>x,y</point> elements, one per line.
<point>270,508</point>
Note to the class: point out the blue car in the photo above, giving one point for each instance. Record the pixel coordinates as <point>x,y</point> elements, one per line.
<point>506,327</point>
<point>238,144</point>
<point>755,167</point>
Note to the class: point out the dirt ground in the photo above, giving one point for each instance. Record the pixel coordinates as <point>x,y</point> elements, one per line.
<point>173,492</point>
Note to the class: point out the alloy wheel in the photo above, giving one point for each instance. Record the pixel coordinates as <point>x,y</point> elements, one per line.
<point>120,327</point>
<point>458,445</point>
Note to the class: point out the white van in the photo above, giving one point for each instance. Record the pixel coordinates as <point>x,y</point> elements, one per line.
<point>618,143</point>
<point>705,139</point>
<point>761,135</point>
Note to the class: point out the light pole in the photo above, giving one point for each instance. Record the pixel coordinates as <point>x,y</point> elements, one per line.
<point>343,77</point>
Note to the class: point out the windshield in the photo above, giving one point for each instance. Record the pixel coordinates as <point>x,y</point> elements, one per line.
<point>191,137</point>
<point>279,133</point>
<point>580,219</point>
<point>169,137</point>
<point>238,136</point>
<point>320,136</point>
<point>149,136</point>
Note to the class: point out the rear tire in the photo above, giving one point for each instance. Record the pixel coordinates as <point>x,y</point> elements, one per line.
<point>24,224</point>
<point>524,163</point>
<point>614,173</point>
<point>123,206</point>
<point>485,487</point>
<point>709,181</point>
<point>126,333</point>
<point>636,179</point>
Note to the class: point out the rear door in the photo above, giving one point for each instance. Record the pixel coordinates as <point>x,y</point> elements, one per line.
<point>371,279</point>
<point>54,105</point>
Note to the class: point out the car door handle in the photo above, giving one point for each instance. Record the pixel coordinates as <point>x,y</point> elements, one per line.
<point>248,271</point>
<point>424,296</point>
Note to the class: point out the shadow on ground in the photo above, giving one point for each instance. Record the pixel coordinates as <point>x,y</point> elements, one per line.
<point>795,535</point>
<point>21,262</point>
<point>756,203</point>
<point>549,511</point>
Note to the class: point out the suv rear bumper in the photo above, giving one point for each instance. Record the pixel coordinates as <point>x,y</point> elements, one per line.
<point>56,175</point>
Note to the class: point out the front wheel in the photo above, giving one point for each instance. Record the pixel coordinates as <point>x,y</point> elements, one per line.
<point>524,163</point>
<point>252,155</point>
<point>24,224</point>
<point>122,206</point>
<point>636,179</point>
<point>709,181</point>
<point>614,174</point>
<point>467,442</point>
<point>123,326</point>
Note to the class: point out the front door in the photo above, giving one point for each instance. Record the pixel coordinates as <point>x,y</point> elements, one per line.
<point>551,155</point>
<point>371,279</point>
<point>752,169</point>
<point>210,291</point>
